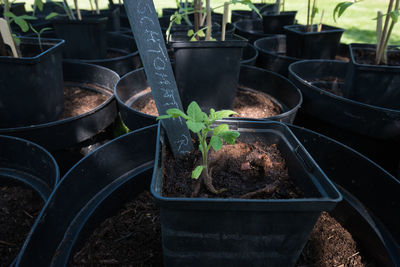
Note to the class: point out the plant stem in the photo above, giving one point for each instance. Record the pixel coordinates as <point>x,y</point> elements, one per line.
<point>224,20</point>
<point>196,17</point>
<point>68,10</point>
<point>381,49</point>
<point>396,7</point>
<point>312,16</point>
<point>320,22</point>
<point>378,32</point>
<point>209,25</point>
<point>278,7</point>
<point>96,3</point>
<point>308,16</point>
<point>78,12</point>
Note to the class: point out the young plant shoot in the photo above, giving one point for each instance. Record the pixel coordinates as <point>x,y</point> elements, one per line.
<point>383,30</point>
<point>199,123</point>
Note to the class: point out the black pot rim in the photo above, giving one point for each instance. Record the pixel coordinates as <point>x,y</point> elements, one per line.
<point>84,20</point>
<point>366,46</point>
<point>236,24</point>
<point>245,61</point>
<point>66,120</point>
<point>56,44</point>
<point>256,45</point>
<point>281,14</point>
<point>236,41</point>
<point>276,117</point>
<point>329,29</point>
<point>353,102</point>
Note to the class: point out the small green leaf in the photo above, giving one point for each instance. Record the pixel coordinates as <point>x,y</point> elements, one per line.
<point>216,142</point>
<point>39,4</point>
<point>195,126</point>
<point>340,9</point>
<point>190,32</point>
<point>201,33</point>
<point>220,129</point>
<point>193,39</point>
<point>197,172</point>
<point>22,24</point>
<point>163,117</point>
<point>9,14</point>
<point>230,136</point>
<point>51,15</point>
<point>45,29</point>
<point>195,113</point>
<point>222,114</point>
<point>27,17</point>
<point>175,113</point>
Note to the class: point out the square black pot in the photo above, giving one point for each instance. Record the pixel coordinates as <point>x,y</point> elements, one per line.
<point>208,71</point>
<point>84,39</point>
<point>32,87</point>
<point>273,23</point>
<point>245,232</point>
<point>377,85</point>
<point>310,45</point>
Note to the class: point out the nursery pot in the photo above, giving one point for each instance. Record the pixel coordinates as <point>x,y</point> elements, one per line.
<point>208,71</point>
<point>84,39</point>
<point>274,23</point>
<point>378,85</point>
<point>240,232</point>
<point>249,55</point>
<point>25,163</point>
<point>251,29</point>
<point>112,15</point>
<point>249,14</point>
<point>302,44</point>
<point>18,9</point>
<point>31,88</point>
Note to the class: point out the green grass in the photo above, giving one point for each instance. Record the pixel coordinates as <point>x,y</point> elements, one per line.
<point>357,20</point>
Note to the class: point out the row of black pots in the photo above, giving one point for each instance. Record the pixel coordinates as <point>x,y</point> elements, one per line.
<point>370,196</point>
<point>132,87</point>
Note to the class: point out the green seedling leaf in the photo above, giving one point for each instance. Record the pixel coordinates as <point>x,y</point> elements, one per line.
<point>216,142</point>
<point>195,113</point>
<point>220,129</point>
<point>190,33</point>
<point>163,117</point>
<point>44,29</point>
<point>340,9</point>
<point>22,24</point>
<point>395,15</point>
<point>222,114</point>
<point>197,172</point>
<point>51,15</point>
<point>27,17</point>
<point>230,136</point>
<point>193,39</point>
<point>9,14</point>
<point>39,4</point>
<point>195,126</point>
<point>175,113</point>
<point>201,33</point>
<point>17,40</point>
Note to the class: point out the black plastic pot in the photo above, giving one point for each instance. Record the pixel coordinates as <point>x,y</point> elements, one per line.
<point>274,23</point>
<point>237,229</point>
<point>247,14</point>
<point>48,7</point>
<point>18,9</point>
<point>31,89</point>
<point>302,44</point>
<point>272,54</point>
<point>70,131</point>
<point>249,55</point>
<point>25,163</point>
<point>87,194</point>
<point>133,86</point>
<point>84,39</point>
<point>251,29</point>
<point>373,84</point>
<point>112,15</point>
<point>370,198</point>
<point>208,72</point>
<point>372,130</point>
<point>124,45</point>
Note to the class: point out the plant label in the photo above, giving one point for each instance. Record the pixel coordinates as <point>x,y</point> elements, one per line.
<point>7,37</point>
<point>153,53</point>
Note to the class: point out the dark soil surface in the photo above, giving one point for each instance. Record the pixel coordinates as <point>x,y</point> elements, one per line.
<point>332,85</point>
<point>78,101</point>
<point>18,209</point>
<point>132,238</point>
<point>366,56</point>
<point>248,104</point>
<point>247,170</point>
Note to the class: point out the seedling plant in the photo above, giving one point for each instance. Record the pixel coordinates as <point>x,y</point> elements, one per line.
<point>383,29</point>
<point>201,124</point>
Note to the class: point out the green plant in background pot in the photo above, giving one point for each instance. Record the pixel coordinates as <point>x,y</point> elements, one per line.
<point>373,75</point>
<point>313,40</point>
<point>38,97</point>
<point>241,216</point>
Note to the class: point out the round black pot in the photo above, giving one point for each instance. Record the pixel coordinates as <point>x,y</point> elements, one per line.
<point>87,194</point>
<point>133,85</point>
<point>31,89</point>
<point>251,29</point>
<point>249,55</point>
<point>374,131</point>
<point>129,58</point>
<point>69,131</point>
<point>25,163</point>
<point>210,76</point>
<point>302,44</point>
<point>112,15</point>
<point>370,199</point>
<point>274,23</point>
<point>84,39</point>
<point>272,54</point>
